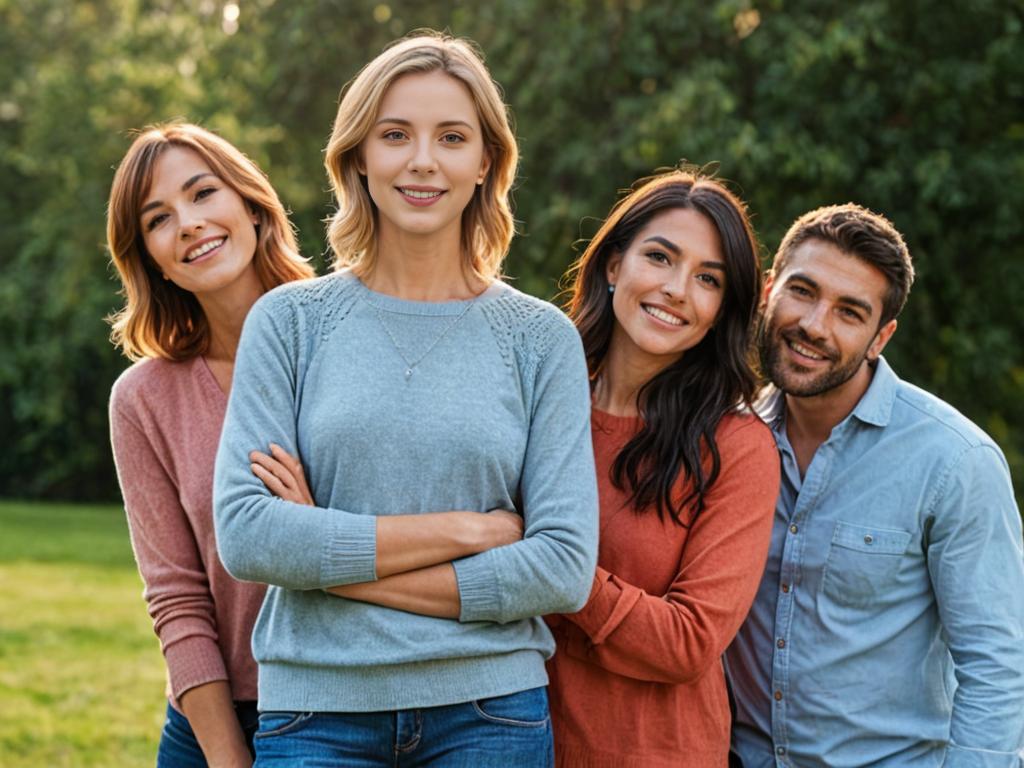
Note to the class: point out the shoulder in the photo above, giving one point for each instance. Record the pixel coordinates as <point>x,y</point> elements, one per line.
<point>528,324</point>
<point>307,296</point>
<point>148,380</point>
<point>950,431</point>
<point>745,432</point>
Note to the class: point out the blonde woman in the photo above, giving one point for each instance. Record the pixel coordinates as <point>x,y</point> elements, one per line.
<point>197,234</point>
<point>421,392</point>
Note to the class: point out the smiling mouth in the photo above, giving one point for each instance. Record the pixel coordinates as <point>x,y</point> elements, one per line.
<point>421,194</point>
<point>804,351</point>
<point>660,314</point>
<point>204,249</point>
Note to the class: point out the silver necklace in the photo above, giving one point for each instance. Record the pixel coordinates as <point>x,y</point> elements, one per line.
<point>410,365</point>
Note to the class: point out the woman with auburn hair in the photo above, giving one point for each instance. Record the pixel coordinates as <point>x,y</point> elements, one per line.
<point>401,625</point>
<point>197,234</point>
<point>665,297</point>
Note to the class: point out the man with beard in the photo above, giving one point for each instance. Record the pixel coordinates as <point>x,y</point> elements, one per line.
<point>888,629</point>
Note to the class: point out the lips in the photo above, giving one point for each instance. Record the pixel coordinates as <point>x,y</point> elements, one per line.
<point>805,350</point>
<point>662,315</point>
<point>203,248</point>
<point>420,196</point>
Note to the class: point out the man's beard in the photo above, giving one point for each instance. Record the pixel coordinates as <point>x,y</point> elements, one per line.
<point>770,345</point>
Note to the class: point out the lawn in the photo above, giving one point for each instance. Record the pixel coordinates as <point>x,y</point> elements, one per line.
<point>81,676</point>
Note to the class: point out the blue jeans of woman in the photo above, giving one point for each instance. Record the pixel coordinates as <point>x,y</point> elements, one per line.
<point>178,745</point>
<point>513,730</point>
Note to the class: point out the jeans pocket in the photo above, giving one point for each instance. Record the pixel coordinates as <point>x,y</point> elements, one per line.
<point>526,709</point>
<point>280,723</point>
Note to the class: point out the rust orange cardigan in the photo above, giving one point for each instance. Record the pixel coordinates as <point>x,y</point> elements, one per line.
<point>637,679</point>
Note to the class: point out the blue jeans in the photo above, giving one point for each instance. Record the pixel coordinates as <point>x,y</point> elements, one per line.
<point>178,746</point>
<point>513,730</point>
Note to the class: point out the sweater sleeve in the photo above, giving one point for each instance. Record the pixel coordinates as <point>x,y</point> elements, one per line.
<point>678,636</point>
<point>259,536</point>
<point>550,570</point>
<point>176,590</point>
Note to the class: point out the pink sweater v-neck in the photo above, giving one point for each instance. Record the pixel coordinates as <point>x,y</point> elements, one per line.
<point>165,424</point>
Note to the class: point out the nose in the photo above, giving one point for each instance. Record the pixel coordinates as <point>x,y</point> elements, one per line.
<point>813,322</point>
<point>674,287</point>
<point>423,159</point>
<point>190,224</point>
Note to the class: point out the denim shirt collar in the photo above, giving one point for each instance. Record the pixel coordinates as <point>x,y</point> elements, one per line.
<point>875,407</point>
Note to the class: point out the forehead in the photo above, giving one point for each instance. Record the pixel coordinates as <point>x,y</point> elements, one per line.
<point>172,169</point>
<point>835,272</point>
<point>688,229</point>
<point>428,97</point>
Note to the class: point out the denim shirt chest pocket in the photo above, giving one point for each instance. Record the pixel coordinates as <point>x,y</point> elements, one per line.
<point>862,561</point>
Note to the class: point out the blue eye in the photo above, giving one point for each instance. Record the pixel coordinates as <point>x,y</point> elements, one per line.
<point>452,138</point>
<point>393,135</point>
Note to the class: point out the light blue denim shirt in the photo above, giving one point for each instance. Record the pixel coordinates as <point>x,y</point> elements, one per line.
<point>888,629</point>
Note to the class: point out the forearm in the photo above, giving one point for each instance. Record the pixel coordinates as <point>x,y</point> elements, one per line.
<point>431,591</point>
<point>412,542</point>
<point>211,713</point>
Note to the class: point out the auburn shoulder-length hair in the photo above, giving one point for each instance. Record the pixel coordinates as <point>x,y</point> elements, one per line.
<point>487,223</point>
<point>682,405</point>
<point>159,319</point>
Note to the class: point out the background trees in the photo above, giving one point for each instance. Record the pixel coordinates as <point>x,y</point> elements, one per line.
<point>913,108</point>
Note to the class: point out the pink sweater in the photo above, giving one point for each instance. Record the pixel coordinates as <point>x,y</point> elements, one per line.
<point>165,423</point>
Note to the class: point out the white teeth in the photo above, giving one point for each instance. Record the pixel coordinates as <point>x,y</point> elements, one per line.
<point>805,351</point>
<point>663,316</point>
<point>420,194</point>
<point>205,248</point>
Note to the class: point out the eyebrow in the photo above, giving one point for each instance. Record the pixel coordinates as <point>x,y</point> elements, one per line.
<point>677,250</point>
<point>851,300</point>
<point>442,124</point>
<point>184,188</point>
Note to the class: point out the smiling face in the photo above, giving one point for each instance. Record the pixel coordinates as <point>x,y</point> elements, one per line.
<point>197,229</point>
<point>424,156</point>
<point>669,286</point>
<point>820,325</point>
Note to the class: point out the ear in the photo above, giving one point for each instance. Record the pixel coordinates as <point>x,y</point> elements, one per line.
<point>360,163</point>
<point>766,290</point>
<point>611,268</point>
<point>881,339</point>
<point>485,166</point>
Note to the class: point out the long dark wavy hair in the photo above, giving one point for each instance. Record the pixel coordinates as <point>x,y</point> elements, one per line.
<point>682,405</point>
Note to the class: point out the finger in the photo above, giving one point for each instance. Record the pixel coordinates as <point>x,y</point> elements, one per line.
<point>270,480</point>
<point>292,462</point>
<point>275,467</point>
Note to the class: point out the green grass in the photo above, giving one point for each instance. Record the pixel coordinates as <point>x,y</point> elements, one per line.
<point>81,676</point>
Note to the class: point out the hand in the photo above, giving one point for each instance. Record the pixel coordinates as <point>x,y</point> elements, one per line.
<point>502,527</point>
<point>283,475</point>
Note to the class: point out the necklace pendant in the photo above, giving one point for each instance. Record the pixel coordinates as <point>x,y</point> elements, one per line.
<point>408,373</point>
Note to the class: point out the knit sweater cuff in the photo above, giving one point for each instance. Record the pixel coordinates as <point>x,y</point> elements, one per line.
<point>350,551</point>
<point>479,591</point>
<point>193,661</point>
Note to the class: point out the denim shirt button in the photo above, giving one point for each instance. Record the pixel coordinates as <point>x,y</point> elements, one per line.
<point>778,695</point>
<point>780,750</point>
<point>868,539</point>
<point>793,528</point>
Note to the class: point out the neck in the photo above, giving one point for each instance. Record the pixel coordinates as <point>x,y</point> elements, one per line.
<point>421,268</point>
<point>812,419</point>
<point>621,378</point>
<point>225,312</point>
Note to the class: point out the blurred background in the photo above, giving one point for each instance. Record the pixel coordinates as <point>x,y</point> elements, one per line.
<point>914,108</point>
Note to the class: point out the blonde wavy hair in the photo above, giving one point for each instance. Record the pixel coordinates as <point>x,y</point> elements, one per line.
<point>159,319</point>
<point>487,222</point>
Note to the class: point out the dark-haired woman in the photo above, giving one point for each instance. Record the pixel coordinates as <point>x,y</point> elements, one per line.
<point>665,297</point>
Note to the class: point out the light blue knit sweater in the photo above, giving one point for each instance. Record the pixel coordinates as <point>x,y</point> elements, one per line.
<point>500,404</point>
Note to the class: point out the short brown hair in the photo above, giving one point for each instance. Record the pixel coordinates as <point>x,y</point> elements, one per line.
<point>863,234</point>
<point>487,223</point>
<point>160,319</point>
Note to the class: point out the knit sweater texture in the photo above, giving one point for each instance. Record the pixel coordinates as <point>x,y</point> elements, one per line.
<point>637,681</point>
<point>497,405</point>
<point>165,422</point>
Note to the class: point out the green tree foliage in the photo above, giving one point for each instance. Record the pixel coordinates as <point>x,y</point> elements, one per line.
<point>912,108</point>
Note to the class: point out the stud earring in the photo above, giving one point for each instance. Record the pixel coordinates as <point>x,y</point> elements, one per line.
<point>611,288</point>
